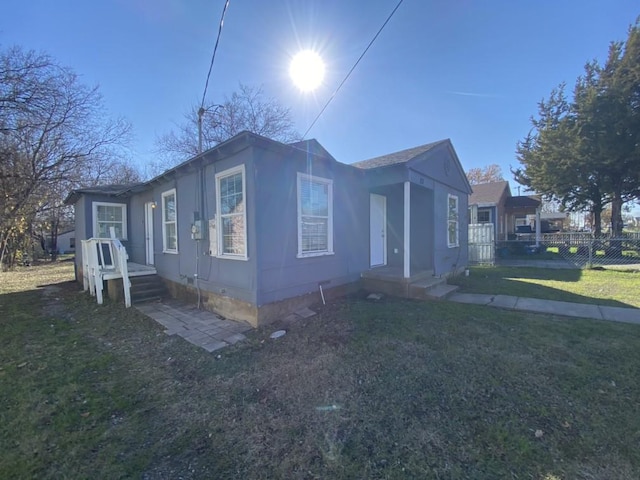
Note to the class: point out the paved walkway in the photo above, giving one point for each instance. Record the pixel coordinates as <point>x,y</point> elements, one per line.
<point>199,327</point>
<point>559,264</point>
<point>554,307</point>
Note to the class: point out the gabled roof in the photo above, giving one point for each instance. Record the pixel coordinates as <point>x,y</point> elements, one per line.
<point>530,201</point>
<point>402,156</point>
<point>489,193</point>
<point>312,146</point>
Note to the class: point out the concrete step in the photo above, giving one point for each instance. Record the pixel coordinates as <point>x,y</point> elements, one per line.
<point>423,286</point>
<point>441,292</point>
<point>431,288</point>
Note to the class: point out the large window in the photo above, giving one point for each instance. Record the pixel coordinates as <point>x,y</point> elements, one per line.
<point>107,215</point>
<point>169,222</point>
<point>452,219</point>
<point>315,216</point>
<point>231,213</point>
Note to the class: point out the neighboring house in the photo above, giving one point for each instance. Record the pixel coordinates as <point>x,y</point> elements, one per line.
<point>256,227</point>
<point>493,203</point>
<point>65,242</point>
<point>555,221</point>
<point>487,205</point>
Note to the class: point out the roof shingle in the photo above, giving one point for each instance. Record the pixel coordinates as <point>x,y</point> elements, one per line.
<point>402,156</point>
<point>488,193</point>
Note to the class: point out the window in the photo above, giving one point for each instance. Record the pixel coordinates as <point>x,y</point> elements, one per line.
<point>231,213</point>
<point>169,222</point>
<point>107,215</point>
<point>484,216</point>
<point>452,228</point>
<point>315,216</point>
<point>72,242</point>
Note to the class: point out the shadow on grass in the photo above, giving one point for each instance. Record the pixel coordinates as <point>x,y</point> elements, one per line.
<point>567,285</point>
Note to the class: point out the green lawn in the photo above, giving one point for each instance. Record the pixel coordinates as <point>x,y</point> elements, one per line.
<point>394,389</point>
<point>601,287</point>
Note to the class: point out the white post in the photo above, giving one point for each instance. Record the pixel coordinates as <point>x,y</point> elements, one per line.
<point>538,227</point>
<point>407,229</point>
<point>85,265</point>
<point>474,214</point>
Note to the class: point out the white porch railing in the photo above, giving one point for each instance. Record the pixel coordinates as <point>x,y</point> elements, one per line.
<point>103,259</point>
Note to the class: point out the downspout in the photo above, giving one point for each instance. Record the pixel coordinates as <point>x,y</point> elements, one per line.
<point>407,230</point>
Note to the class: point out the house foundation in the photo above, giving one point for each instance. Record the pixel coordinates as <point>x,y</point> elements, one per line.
<point>256,316</point>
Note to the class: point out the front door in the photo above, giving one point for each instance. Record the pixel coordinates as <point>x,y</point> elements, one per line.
<point>148,231</point>
<point>378,230</point>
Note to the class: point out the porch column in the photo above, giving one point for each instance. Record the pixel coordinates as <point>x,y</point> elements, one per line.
<point>407,229</point>
<point>538,227</point>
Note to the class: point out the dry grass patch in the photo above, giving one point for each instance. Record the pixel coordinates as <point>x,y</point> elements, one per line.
<point>22,279</point>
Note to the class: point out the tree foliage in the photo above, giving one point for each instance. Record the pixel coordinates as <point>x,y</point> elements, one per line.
<point>489,174</point>
<point>585,151</point>
<point>246,109</point>
<point>54,136</point>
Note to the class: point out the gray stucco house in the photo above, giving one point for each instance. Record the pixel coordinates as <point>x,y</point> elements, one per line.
<point>256,227</point>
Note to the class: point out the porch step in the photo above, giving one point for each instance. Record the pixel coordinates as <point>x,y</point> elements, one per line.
<point>423,286</point>
<point>431,288</point>
<point>395,274</point>
<point>441,292</point>
<point>147,288</point>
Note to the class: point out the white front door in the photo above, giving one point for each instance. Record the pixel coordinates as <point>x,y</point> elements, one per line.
<point>378,230</point>
<point>148,231</point>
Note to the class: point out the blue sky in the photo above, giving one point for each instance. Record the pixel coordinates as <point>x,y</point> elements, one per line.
<point>472,71</point>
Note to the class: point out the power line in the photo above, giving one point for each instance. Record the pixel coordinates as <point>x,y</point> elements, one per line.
<point>352,68</point>
<point>215,49</point>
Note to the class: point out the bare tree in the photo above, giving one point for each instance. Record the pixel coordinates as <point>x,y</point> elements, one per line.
<point>490,173</point>
<point>246,109</point>
<point>53,132</point>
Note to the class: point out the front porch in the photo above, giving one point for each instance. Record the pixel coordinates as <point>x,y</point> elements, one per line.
<point>107,259</point>
<point>133,270</point>
<point>420,285</point>
<point>401,231</point>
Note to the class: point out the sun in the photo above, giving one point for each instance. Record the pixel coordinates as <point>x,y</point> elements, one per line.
<point>307,70</point>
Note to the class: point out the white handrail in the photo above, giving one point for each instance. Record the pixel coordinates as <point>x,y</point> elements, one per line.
<point>102,256</point>
<point>123,269</point>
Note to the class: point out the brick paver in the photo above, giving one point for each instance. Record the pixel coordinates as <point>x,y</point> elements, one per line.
<point>199,327</point>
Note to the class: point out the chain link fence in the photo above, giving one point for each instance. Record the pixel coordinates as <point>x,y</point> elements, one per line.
<point>580,249</point>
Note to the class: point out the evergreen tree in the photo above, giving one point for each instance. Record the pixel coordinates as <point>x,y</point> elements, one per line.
<point>585,152</point>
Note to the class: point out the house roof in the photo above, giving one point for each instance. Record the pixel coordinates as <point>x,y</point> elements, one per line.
<point>312,146</point>
<point>489,193</point>
<point>530,201</point>
<point>111,190</point>
<point>402,156</point>
<point>236,143</point>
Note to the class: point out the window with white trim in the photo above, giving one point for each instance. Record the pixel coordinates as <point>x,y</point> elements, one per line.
<point>231,213</point>
<point>315,215</point>
<point>452,221</point>
<point>169,222</point>
<point>484,216</point>
<point>107,215</point>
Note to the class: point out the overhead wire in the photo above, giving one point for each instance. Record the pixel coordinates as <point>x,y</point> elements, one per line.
<point>352,68</point>
<point>215,49</point>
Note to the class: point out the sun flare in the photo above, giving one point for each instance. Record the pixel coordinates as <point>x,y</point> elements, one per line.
<point>307,70</point>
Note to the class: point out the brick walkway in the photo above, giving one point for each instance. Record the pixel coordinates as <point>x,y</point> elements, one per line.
<point>199,327</point>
